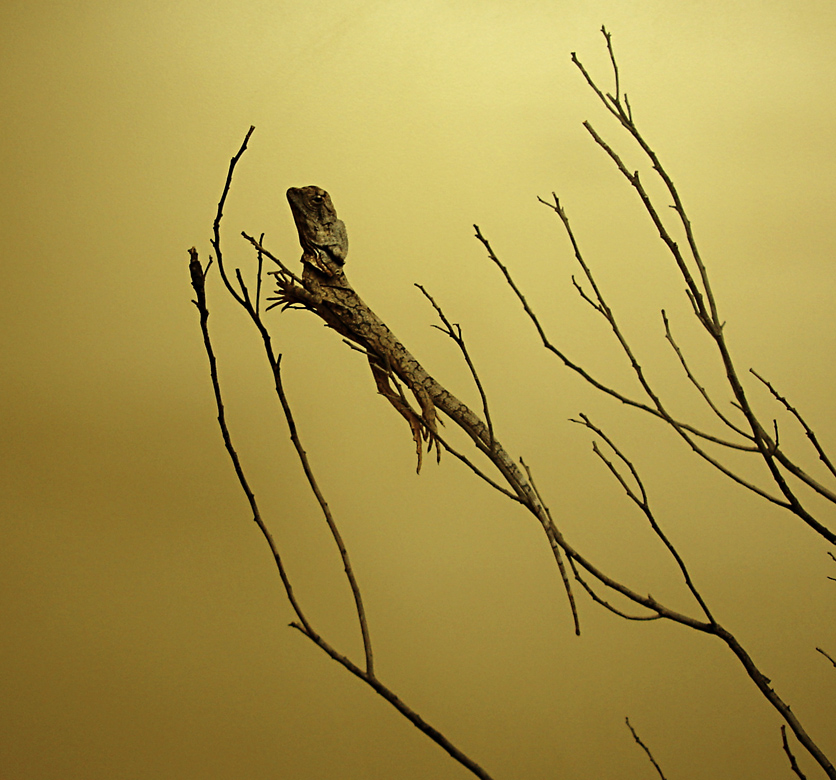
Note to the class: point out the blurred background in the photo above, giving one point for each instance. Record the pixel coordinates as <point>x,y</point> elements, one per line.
<point>144,629</point>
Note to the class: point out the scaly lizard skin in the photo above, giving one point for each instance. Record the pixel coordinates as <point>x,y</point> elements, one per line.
<point>326,291</point>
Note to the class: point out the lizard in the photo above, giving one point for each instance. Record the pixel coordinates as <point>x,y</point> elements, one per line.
<point>325,290</point>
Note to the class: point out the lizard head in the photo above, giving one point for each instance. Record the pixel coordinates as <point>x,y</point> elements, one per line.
<point>313,201</point>
<point>322,236</point>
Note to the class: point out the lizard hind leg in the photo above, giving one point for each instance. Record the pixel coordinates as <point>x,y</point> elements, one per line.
<point>429,419</point>
<point>420,427</point>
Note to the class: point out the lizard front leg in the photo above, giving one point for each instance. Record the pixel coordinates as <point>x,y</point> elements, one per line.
<point>289,294</point>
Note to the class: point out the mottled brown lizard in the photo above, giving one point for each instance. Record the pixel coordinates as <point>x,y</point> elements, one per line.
<point>325,290</point>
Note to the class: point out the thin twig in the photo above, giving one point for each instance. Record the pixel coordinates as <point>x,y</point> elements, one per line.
<point>259,276</point>
<point>626,119</point>
<point>285,271</point>
<point>580,370</point>
<point>702,299</point>
<point>793,763</point>
<point>367,674</point>
<point>216,226</point>
<point>558,536</point>
<point>827,656</point>
<point>244,300</point>
<point>476,470</point>
<point>642,502</point>
<point>657,409</point>
<point>807,429</point>
<point>602,602</point>
<point>702,391</point>
<point>645,748</point>
<point>455,333</point>
<point>198,276</point>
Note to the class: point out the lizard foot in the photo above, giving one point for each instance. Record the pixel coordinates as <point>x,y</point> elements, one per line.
<point>422,427</point>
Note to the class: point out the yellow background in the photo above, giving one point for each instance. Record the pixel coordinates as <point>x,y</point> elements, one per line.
<point>144,632</point>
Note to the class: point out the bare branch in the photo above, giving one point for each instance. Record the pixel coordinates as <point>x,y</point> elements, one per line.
<point>243,299</point>
<point>216,226</point>
<point>707,314</point>
<point>198,276</point>
<point>657,409</point>
<point>475,469</point>
<point>367,675</point>
<point>285,271</point>
<point>259,276</point>
<point>633,177</point>
<point>807,430</point>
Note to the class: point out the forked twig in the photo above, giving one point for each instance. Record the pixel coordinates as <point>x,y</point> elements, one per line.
<point>558,538</point>
<point>700,389</point>
<point>577,368</point>
<point>810,433</point>
<point>641,500</point>
<point>604,603</point>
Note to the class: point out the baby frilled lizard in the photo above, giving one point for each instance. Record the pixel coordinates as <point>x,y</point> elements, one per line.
<point>325,290</point>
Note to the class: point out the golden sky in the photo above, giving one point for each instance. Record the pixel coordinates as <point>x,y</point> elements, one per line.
<point>144,627</point>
